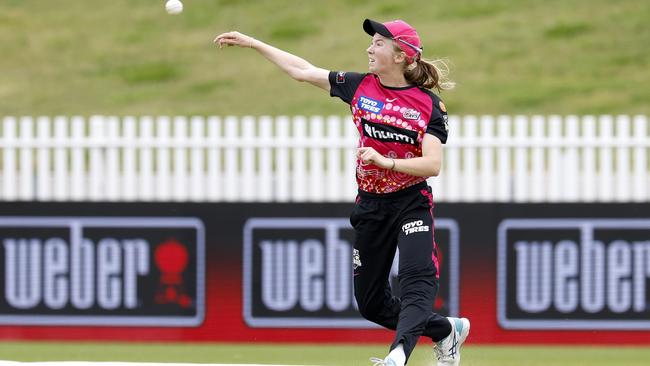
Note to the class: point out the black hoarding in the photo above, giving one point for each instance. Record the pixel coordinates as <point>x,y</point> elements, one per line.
<point>133,271</point>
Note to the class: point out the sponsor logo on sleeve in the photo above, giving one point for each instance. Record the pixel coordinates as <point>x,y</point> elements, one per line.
<point>574,274</point>
<point>340,77</point>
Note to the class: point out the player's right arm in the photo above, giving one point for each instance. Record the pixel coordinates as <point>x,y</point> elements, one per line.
<point>298,68</point>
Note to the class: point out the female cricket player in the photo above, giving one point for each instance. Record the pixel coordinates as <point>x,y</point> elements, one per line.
<point>402,126</point>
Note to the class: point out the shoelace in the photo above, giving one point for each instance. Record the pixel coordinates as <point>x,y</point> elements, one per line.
<point>377,361</point>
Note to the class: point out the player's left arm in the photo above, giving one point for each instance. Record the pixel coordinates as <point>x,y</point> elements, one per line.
<point>428,165</point>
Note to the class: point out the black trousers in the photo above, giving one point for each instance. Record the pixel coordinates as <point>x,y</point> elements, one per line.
<point>383,223</point>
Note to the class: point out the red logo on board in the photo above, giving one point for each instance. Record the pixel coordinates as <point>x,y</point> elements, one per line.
<point>171,258</point>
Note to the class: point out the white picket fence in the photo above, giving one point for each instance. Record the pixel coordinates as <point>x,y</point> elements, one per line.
<point>299,159</point>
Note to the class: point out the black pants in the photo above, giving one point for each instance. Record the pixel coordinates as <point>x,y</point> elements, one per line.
<point>383,223</point>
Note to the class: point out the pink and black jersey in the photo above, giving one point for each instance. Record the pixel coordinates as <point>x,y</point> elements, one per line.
<point>393,121</point>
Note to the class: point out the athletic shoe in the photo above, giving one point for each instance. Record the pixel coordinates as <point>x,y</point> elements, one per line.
<point>447,350</point>
<point>382,362</point>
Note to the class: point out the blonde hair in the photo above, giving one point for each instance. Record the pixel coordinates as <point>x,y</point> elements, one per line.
<point>428,74</point>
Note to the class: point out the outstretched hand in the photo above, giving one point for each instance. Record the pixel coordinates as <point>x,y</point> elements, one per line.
<point>234,39</point>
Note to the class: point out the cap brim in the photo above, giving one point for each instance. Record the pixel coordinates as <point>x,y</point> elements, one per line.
<point>371,27</point>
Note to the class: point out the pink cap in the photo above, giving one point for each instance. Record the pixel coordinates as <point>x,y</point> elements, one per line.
<point>405,35</point>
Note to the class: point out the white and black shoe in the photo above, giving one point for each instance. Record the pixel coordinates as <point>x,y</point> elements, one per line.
<point>447,350</point>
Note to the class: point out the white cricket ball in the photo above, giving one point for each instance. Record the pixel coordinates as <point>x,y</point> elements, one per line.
<point>174,6</point>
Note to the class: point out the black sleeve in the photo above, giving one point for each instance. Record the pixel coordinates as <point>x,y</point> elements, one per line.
<point>344,84</point>
<point>438,126</point>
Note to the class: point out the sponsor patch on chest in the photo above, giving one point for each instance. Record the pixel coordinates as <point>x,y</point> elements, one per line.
<point>370,105</point>
<point>387,133</point>
<point>411,114</point>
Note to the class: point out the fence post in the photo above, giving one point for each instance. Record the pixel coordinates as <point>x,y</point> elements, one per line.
<point>641,178</point>
<point>78,166</point>
<point>113,176</point>
<point>146,189</point>
<point>299,160</point>
<point>606,163</point>
<point>589,167</point>
<point>521,191</point>
<point>555,159</point>
<point>571,168</point>
<point>180,172</point>
<point>9,159</point>
<point>334,176</point>
<point>265,178</point>
<point>129,183</point>
<point>26,167</point>
<point>537,176</point>
<point>282,159</point>
<point>197,162</point>
<point>249,183</point>
<point>232,182</point>
<point>487,176</point>
<point>503,163</point>
<point>623,188</point>
<point>316,141</point>
<point>214,159</point>
<point>61,171</point>
<point>43,172</point>
<point>96,165</point>
<point>162,159</point>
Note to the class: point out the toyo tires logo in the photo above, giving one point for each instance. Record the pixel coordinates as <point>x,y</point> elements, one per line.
<point>130,271</point>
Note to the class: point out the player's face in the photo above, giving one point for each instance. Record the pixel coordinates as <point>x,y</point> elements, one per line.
<point>381,55</point>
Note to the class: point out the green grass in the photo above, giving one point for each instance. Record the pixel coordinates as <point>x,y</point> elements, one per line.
<point>325,355</point>
<point>129,57</point>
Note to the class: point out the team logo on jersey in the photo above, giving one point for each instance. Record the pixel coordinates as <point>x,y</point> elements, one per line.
<point>389,133</point>
<point>442,106</point>
<point>340,77</point>
<point>356,258</point>
<point>411,114</point>
<point>370,105</point>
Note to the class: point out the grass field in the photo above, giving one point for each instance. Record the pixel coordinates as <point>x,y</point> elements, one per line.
<point>129,57</point>
<point>325,355</point>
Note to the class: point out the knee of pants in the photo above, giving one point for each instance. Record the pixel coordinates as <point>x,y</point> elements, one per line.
<point>369,313</point>
<point>368,310</point>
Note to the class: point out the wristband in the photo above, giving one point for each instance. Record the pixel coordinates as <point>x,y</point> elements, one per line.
<point>392,167</point>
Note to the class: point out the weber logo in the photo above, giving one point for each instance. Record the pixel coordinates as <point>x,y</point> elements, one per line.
<point>131,271</point>
<point>574,274</point>
<point>298,272</point>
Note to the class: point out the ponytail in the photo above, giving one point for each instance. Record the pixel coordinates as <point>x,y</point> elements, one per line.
<point>429,74</point>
